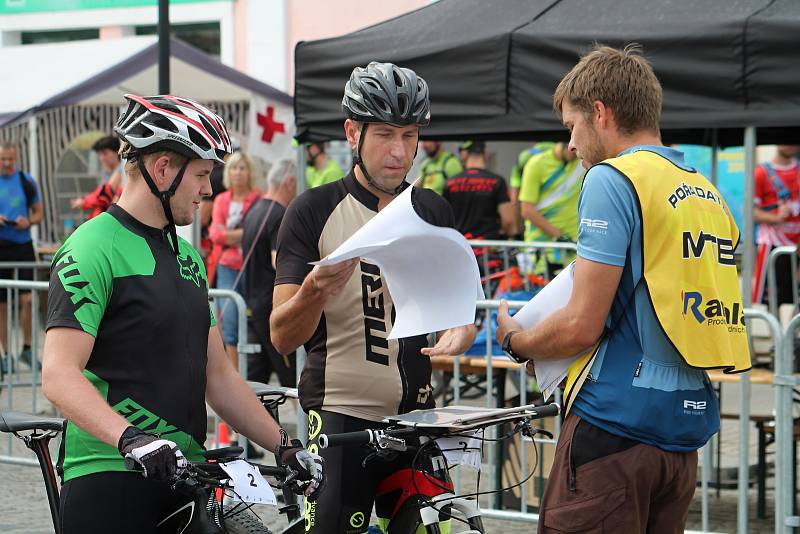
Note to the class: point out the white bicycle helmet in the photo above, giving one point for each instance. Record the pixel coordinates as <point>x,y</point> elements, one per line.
<point>166,122</point>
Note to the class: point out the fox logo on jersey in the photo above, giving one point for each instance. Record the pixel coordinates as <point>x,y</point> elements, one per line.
<point>73,281</point>
<point>190,269</point>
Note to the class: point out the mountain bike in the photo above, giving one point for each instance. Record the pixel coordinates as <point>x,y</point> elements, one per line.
<point>426,490</point>
<point>207,482</point>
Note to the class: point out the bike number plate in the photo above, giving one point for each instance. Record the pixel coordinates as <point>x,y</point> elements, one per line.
<point>462,450</point>
<point>248,483</point>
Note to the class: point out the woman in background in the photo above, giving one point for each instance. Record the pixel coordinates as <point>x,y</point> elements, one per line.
<point>225,233</point>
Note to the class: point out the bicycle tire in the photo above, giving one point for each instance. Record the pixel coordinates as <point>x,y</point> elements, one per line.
<point>243,522</point>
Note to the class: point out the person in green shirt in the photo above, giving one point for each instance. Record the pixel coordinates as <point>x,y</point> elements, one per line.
<point>551,185</point>
<point>438,166</point>
<point>321,169</point>
<point>515,177</point>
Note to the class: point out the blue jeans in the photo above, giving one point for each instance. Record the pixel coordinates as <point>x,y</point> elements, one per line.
<point>230,318</point>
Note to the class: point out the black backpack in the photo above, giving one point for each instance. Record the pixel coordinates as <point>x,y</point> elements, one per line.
<point>28,186</point>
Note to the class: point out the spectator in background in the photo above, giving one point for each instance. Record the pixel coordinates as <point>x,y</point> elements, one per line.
<point>321,169</point>
<point>98,201</point>
<point>551,184</point>
<point>438,166</point>
<point>225,233</point>
<point>259,245</point>
<point>777,213</point>
<point>20,207</point>
<point>206,209</point>
<point>479,198</point>
<point>515,178</point>
<point>463,152</point>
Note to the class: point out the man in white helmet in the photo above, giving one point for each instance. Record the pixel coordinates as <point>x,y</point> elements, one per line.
<point>132,354</point>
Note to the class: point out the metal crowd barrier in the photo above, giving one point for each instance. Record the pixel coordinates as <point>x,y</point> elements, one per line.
<point>785,381</point>
<point>772,277</point>
<point>505,247</point>
<point>12,289</point>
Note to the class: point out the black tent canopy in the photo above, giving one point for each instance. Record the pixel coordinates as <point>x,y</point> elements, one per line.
<point>492,66</point>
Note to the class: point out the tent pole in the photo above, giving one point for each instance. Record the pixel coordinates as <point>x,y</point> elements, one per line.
<point>749,251</point>
<point>33,165</point>
<point>301,168</point>
<point>301,356</point>
<point>163,47</point>
<point>714,156</point>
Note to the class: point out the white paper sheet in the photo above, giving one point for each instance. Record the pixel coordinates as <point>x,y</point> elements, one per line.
<point>552,297</point>
<point>430,271</point>
<point>248,483</point>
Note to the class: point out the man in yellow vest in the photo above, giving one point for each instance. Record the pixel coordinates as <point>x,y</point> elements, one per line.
<point>655,301</point>
<point>438,166</point>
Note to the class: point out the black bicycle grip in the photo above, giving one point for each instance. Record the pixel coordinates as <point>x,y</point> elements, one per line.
<point>345,439</point>
<point>546,410</point>
<point>272,471</point>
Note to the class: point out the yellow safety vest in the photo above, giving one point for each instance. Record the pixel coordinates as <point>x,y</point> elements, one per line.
<point>689,270</point>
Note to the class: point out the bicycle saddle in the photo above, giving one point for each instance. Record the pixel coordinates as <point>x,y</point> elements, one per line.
<point>18,421</point>
<point>265,390</point>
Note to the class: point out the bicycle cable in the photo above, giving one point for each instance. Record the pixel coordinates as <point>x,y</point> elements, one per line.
<point>435,482</point>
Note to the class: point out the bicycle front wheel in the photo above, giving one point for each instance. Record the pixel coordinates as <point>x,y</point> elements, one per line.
<point>243,522</point>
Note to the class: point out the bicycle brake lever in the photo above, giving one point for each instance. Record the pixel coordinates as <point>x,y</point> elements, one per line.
<point>390,443</point>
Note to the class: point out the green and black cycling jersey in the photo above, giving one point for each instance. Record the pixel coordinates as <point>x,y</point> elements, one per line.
<point>120,281</point>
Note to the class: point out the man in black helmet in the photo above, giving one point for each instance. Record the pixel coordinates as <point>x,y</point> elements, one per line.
<point>343,313</point>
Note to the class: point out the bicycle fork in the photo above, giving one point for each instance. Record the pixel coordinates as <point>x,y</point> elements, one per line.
<point>465,507</point>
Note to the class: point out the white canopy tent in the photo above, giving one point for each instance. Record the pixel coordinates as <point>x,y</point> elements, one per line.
<point>53,93</point>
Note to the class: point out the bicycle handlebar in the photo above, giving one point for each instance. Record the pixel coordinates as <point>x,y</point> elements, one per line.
<point>371,437</point>
<point>279,472</point>
<point>363,437</point>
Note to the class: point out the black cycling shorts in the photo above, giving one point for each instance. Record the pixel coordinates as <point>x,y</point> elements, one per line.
<point>260,366</point>
<point>119,502</point>
<point>345,504</point>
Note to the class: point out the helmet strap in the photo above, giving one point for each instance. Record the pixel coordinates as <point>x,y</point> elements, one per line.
<point>360,162</point>
<point>164,197</point>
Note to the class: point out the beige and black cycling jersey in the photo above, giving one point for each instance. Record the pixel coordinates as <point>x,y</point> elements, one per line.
<point>352,367</point>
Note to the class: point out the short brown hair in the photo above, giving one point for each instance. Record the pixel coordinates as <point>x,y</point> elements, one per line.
<point>129,153</point>
<point>7,145</point>
<point>623,80</point>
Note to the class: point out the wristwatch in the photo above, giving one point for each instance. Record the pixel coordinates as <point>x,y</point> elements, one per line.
<point>509,351</point>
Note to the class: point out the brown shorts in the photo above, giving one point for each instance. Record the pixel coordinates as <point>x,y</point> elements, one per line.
<point>601,483</point>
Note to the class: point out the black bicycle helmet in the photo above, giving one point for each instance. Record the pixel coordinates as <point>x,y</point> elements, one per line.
<point>384,92</point>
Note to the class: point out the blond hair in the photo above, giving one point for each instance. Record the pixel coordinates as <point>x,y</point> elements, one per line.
<point>623,80</point>
<point>232,160</point>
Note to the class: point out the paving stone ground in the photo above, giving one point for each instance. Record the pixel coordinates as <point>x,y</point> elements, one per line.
<point>24,506</point>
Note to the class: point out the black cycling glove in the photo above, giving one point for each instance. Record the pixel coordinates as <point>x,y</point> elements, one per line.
<point>309,466</point>
<point>159,458</point>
